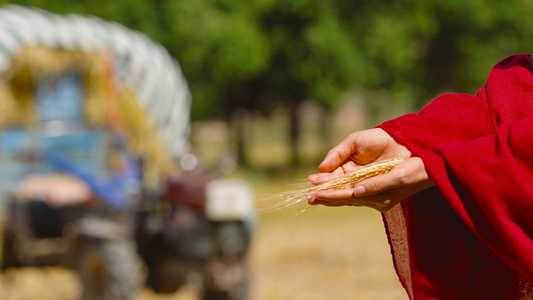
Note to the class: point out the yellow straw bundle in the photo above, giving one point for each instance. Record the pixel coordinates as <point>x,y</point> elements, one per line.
<point>17,101</point>
<point>300,192</point>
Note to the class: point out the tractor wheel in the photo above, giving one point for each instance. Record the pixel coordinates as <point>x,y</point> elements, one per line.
<point>109,269</point>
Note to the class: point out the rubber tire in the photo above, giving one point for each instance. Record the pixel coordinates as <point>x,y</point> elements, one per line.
<point>109,269</point>
<point>239,292</point>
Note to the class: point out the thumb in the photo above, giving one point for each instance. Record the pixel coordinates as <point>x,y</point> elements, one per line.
<point>377,184</point>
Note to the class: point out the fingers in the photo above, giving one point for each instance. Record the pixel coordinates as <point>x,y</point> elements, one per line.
<point>319,178</point>
<point>411,172</point>
<point>368,187</point>
<point>338,154</point>
<point>335,195</point>
<point>361,147</point>
<point>379,184</point>
<point>323,177</point>
<point>380,192</point>
<point>381,202</point>
<point>372,186</point>
<point>333,198</point>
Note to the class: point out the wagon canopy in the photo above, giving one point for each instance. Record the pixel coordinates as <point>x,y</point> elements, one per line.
<point>139,63</point>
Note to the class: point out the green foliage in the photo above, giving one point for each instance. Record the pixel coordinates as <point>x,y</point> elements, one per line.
<point>253,54</point>
<point>423,48</point>
<point>313,50</point>
<point>219,45</point>
<point>220,40</point>
<point>333,61</point>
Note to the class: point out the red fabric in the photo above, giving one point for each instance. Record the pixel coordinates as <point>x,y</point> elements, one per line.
<point>471,236</point>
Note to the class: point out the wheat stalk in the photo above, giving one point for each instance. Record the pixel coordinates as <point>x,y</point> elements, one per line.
<point>299,192</point>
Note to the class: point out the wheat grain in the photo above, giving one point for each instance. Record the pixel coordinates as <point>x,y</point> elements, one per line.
<point>299,191</point>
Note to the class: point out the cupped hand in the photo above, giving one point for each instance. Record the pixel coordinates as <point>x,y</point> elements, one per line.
<point>359,148</point>
<point>381,192</point>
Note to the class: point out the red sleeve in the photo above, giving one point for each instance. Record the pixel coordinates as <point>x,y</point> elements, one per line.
<point>473,235</point>
<point>497,172</point>
<point>506,96</point>
<point>449,118</point>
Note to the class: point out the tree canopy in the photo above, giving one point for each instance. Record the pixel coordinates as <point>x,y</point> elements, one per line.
<point>253,55</point>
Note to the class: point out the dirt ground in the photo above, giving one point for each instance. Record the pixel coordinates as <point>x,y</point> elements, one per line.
<point>338,253</point>
<point>328,253</point>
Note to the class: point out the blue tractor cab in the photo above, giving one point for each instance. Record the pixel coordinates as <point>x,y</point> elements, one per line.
<point>59,130</point>
<point>60,143</point>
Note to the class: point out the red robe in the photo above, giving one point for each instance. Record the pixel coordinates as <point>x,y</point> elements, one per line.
<point>471,237</point>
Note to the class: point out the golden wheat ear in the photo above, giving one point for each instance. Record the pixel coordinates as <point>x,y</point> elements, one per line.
<point>300,192</point>
<point>349,180</point>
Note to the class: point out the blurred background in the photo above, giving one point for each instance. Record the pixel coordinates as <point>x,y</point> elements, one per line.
<point>274,84</point>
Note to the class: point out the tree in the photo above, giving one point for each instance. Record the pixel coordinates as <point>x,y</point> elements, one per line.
<point>243,56</point>
<point>249,56</point>
<point>313,57</point>
<point>416,49</point>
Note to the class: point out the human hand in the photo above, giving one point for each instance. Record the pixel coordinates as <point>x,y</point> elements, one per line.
<point>381,192</point>
<point>359,148</point>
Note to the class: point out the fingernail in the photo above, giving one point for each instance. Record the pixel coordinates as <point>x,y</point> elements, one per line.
<point>360,190</point>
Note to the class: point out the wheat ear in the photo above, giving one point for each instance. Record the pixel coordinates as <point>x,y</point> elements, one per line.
<point>300,191</point>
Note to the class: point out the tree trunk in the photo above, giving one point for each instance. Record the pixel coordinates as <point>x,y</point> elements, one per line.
<point>325,130</point>
<point>294,133</point>
<point>238,125</point>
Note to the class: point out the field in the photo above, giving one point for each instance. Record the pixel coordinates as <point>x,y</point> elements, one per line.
<point>338,254</point>
<point>326,253</point>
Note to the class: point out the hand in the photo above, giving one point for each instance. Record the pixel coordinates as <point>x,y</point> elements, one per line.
<point>359,148</point>
<point>381,192</point>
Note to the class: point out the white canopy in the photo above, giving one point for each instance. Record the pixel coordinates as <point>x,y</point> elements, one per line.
<point>140,63</point>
